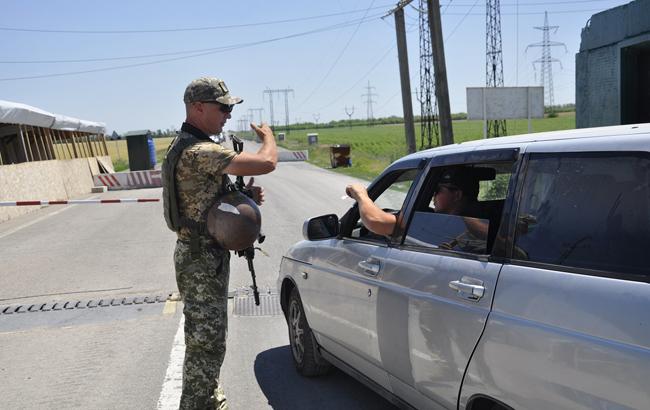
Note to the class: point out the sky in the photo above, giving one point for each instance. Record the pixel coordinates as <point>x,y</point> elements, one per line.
<point>127,63</point>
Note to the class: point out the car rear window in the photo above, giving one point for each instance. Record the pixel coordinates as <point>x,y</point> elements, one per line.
<point>587,211</point>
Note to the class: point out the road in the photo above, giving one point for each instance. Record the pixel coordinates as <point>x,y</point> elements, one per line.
<point>114,342</point>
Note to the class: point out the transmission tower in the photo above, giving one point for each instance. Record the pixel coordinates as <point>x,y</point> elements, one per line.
<point>494,60</point>
<point>259,114</point>
<point>286,92</point>
<point>369,102</point>
<point>546,61</point>
<point>428,105</point>
<point>349,114</point>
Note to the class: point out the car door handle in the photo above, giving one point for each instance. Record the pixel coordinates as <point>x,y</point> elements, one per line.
<point>370,266</point>
<point>469,288</point>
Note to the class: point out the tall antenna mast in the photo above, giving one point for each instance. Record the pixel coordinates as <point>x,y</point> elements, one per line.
<point>428,104</point>
<point>494,60</point>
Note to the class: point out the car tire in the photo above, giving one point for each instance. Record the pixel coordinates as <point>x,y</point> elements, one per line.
<point>304,349</point>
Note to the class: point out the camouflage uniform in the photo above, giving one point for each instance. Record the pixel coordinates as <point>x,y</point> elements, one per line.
<point>202,278</point>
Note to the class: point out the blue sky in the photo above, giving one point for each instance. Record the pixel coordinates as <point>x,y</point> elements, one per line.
<point>326,51</point>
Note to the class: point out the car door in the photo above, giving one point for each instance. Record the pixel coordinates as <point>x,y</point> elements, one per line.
<point>569,326</point>
<point>341,292</point>
<point>435,297</point>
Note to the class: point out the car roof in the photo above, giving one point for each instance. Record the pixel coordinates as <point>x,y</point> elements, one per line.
<point>622,131</point>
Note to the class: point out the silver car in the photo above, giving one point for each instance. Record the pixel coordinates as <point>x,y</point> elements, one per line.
<point>545,308</point>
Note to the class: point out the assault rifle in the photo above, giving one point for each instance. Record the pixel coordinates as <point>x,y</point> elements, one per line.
<point>248,253</point>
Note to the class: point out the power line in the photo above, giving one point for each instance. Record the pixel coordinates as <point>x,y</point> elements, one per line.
<point>197,54</point>
<point>132,31</point>
<point>233,46</point>
<point>363,77</point>
<point>338,58</point>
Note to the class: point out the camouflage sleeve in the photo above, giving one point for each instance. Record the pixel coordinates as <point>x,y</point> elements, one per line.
<point>211,159</point>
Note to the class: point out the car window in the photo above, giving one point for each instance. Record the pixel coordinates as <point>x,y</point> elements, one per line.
<point>586,211</point>
<point>474,229</point>
<point>390,199</point>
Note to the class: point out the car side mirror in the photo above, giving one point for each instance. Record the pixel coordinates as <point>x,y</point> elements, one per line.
<point>321,227</point>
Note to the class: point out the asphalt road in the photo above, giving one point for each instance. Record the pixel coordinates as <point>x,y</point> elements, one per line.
<point>123,349</point>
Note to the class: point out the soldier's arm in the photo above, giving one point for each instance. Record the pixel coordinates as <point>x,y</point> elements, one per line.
<point>261,162</point>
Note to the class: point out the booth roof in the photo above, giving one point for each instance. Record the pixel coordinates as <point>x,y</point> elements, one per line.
<point>17,113</point>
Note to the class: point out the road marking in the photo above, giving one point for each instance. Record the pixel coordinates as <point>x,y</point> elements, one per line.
<point>170,395</point>
<point>170,307</point>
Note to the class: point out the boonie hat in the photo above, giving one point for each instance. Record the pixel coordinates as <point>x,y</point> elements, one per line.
<point>209,89</point>
<point>462,178</point>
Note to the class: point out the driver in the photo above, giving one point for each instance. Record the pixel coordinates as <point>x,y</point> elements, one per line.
<point>455,194</point>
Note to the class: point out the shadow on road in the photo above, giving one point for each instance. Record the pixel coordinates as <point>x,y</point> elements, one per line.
<point>285,389</point>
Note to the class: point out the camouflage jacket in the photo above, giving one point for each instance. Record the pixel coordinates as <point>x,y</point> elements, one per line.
<point>199,178</point>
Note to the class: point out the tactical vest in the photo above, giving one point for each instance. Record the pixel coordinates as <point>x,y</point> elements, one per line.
<point>175,221</point>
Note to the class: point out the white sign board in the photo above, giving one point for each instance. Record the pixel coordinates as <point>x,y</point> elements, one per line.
<point>505,103</point>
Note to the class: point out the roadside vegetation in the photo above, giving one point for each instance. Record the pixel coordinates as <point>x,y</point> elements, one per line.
<point>372,147</point>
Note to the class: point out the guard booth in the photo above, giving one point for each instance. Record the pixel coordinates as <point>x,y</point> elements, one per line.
<point>312,139</point>
<point>281,136</point>
<point>142,151</point>
<point>340,155</point>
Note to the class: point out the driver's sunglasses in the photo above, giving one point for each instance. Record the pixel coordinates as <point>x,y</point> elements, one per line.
<point>224,108</point>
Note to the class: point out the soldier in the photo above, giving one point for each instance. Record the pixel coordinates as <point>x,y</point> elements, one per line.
<point>194,176</point>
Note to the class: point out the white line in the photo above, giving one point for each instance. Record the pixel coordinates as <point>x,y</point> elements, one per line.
<point>170,395</point>
<point>3,234</point>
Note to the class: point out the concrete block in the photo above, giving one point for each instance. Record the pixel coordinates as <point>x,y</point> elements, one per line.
<point>98,189</point>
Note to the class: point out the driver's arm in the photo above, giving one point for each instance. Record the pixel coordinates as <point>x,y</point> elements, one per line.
<point>373,217</point>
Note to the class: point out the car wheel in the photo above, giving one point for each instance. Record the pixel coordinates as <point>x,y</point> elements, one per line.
<point>304,349</point>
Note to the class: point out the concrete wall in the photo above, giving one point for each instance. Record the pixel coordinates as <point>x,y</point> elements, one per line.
<point>598,88</point>
<point>598,64</point>
<point>44,180</point>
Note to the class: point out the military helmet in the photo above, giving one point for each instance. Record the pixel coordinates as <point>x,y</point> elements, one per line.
<point>234,221</point>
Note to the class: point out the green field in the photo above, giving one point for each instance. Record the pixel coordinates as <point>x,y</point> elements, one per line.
<point>120,157</point>
<point>372,147</point>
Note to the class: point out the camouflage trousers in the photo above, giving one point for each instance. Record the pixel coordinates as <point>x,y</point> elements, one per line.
<point>203,285</point>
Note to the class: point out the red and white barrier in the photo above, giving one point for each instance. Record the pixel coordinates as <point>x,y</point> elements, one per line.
<point>293,156</point>
<point>129,180</point>
<point>78,201</point>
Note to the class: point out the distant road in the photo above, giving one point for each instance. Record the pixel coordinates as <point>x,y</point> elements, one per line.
<point>124,356</point>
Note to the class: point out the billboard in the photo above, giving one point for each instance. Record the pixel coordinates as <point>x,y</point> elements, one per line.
<point>505,103</point>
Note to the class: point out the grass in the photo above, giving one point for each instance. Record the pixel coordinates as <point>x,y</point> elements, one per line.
<point>374,148</point>
<point>120,156</point>
<point>371,148</point>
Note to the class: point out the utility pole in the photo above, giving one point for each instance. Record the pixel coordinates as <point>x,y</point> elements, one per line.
<point>349,114</point>
<point>547,61</point>
<point>493,62</point>
<point>284,91</point>
<point>259,113</point>
<point>402,55</point>
<point>316,118</point>
<point>428,105</point>
<point>440,67</point>
<point>369,101</point>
